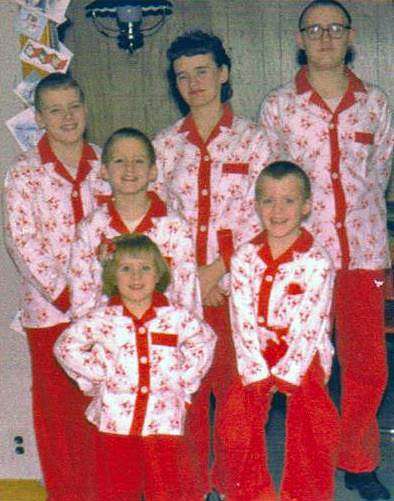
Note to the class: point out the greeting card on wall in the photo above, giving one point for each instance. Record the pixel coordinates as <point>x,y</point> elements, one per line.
<point>25,129</point>
<point>52,9</point>
<point>31,24</point>
<point>25,89</point>
<point>45,58</point>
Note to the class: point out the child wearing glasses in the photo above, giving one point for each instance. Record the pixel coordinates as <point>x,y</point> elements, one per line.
<point>337,128</point>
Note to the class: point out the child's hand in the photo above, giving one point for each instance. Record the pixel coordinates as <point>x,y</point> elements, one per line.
<point>215,297</point>
<point>209,276</point>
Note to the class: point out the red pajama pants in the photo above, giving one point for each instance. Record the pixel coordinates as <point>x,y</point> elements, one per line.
<point>218,381</point>
<point>63,435</point>
<point>360,343</point>
<point>312,437</point>
<point>159,467</point>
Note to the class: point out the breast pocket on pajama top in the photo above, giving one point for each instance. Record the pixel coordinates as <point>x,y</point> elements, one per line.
<point>363,147</point>
<point>234,179</point>
<point>293,296</point>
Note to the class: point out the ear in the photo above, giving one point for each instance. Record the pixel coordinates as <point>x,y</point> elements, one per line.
<point>352,35</point>
<point>153,173</point>
<point>224,74</point>
<point>104,172</point>
<point>39,120</point>
<point>299,40</point>
<point>307,207</point>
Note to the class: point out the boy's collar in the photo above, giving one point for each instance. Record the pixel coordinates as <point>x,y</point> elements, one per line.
<point>157,208</point>
<point>47,154</point>
<point>303,85</point>
<point>302,244</point>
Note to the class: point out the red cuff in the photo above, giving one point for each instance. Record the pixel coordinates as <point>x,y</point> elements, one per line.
<point>62,302</point>
<point>226,246</point>
<point>284,386</point>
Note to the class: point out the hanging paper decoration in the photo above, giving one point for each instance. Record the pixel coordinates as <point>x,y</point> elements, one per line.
<point>41,54</point>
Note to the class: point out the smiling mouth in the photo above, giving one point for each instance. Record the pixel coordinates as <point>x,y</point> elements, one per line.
<point>130,179</point>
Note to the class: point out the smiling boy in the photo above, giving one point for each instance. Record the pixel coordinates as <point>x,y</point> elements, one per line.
<point>281,289</point>
<point>47,192</point>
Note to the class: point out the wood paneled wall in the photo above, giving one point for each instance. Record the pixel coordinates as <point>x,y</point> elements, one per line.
<point>124,89</point>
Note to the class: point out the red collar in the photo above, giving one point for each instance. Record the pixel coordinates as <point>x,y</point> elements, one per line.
<point>157,208</point>
<point>158,300</point>
<point>303,85</point>
<point>47,155</point>
<point>189,126</point>
<point>302,244</point>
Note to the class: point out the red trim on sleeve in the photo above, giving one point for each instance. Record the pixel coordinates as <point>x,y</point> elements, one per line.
<point>62,302</point>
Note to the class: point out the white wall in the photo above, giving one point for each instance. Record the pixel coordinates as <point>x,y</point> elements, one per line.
<point>15,413</point>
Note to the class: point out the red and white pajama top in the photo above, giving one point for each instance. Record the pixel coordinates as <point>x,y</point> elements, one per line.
<point>283,303</point>
<point>171,234</point>
<point>43,204</point>
<point>346,154</point>
<point>142,372</point>
<point>211,183</point>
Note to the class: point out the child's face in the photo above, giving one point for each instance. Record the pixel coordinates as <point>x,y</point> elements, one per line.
<point>136,278</point>
<point>282,207</point>
<point>129,169</point>
<point>63,115</point>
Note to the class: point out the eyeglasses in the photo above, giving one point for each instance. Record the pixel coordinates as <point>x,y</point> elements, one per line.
<point>316,31</point>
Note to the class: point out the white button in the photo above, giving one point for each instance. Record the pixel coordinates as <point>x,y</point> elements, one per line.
<point>338,225</point>
<point>331,126</point>
<point>144,389</point>
<point>144,360</point>
<point>261,320</point>
<point>203,228</point>
<point>204,192</point>
<point>142,330</point>
<point>206,158</point>
<point>74,194</point>
<point>334,175</point>
<point>269,278</point>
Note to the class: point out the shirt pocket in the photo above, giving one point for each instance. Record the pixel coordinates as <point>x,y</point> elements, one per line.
<point>235,168</point>
<point>364,138</point>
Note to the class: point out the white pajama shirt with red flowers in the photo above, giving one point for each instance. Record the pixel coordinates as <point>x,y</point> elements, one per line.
<point>290,295</point>
<point>346,154</point>
<point>167,230</point>
<point>144,370</point>
<point>42,207</point>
